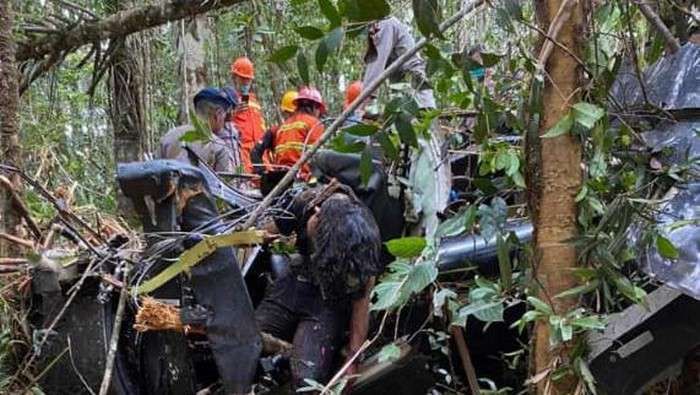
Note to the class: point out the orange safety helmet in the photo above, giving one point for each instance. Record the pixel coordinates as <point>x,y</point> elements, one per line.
<point>243,67</point>
<point>352,92</point>
<point>311,94</point>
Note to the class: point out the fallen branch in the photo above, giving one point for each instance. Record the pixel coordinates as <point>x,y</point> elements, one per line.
<point>13,261</point>
<point>116,331</point>
<point>467,365</point>
<point>334,127</point>
<point>157,316</point>
<point>120,24</point>
<point>64,214</point>
<point>19,206</point>
<point>672,45</point>
<point>17,240</point>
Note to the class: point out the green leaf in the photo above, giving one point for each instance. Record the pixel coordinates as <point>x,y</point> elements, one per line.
<point>198,133</point>
<point>366,10</point>
<point>303,67</point>
<point>484,311</point>
<point>428,15</point>
<point>432,52</point>
<point>339,144</point>
<point>388,146</point>
<point>490,59</point>
<point>284,54</point>
<point>504,265</point>
<point>421,275</point>
<point>389,353</point>
<point>456,224</point>
<point>361,129</point>
<point>563,126</point>
<point>365,166</point>
<point>327,46</point>
<point>579,290</point>
<point>592,322</point>
<point>406,247</point>
<point>329,10</point>
<point>439,299</point>
<point>540,305</point>
<point>405,128</point>
<point>309,32</point>
<point>387,294</point>
<point>587,114</point>
<point>666,248</point>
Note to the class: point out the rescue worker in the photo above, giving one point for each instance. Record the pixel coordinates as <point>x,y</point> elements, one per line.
<point>326,290</point>
<point>387,40</point>
<point>265,145</point>
<point>288,142</point>
<point>247,116</point>
<point>222,150</point>
<point>352,92</point>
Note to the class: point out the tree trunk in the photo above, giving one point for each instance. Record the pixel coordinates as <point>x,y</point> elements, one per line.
<point>9,122</point>
<point>192,67</point>
<point>554,186</point>
<point>126,104</point>
<point>120,24</point>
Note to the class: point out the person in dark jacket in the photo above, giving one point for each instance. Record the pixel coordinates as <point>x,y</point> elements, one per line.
<point>327,290</point>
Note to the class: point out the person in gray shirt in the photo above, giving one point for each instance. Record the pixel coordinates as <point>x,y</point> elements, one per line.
<point>222,149</point>
<point>388,39</point>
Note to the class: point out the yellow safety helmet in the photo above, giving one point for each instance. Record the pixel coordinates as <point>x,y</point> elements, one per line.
<point>288,103</point>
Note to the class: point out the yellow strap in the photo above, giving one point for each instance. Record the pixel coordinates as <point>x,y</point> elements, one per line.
<point>196,254</point>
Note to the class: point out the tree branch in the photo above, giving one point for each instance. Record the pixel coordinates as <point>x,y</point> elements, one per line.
<point>366,93</point>
<point>671,43</point>
<point>117,25</point>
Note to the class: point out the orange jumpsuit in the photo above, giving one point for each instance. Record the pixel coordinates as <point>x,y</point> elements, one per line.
<point>293,137</point>
<point>250,123</point>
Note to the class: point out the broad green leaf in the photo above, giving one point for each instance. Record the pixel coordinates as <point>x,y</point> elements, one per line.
<point>284,54</point>
<point>405,128</point>
<point>666,248</point>
<point>361,129</point>
<point>490,59</point>
<point>309,32</point>
<point>198,133</point>
<point>388,146</point>
<point>428,15</point>
<point>365,166</point>
<point>456,224</point>
<point>406,247</point>
<point>587,114</point>
<point>540,305</point>
<point>366,10</point>
<point>440,297</point>
<point>389,353</point>
<point>327,46</point>
<point>303,67</point>
<point>592,322</point>
<point>563,126</point>
<point>421,275</point>
<point>387,294</point>
<point>566,331</point>
<point>339,144</point>
<point>484,311</point>
<point>329,10</point>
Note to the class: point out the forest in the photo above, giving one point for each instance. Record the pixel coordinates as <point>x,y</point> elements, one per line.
<point>349,196</point>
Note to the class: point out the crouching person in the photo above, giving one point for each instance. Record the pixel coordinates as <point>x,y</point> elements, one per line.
<point>326,292</point>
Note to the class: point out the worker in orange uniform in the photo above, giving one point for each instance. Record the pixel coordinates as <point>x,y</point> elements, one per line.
<point>263,153</point>
<point>247,116</point>
<point>296,134</point>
